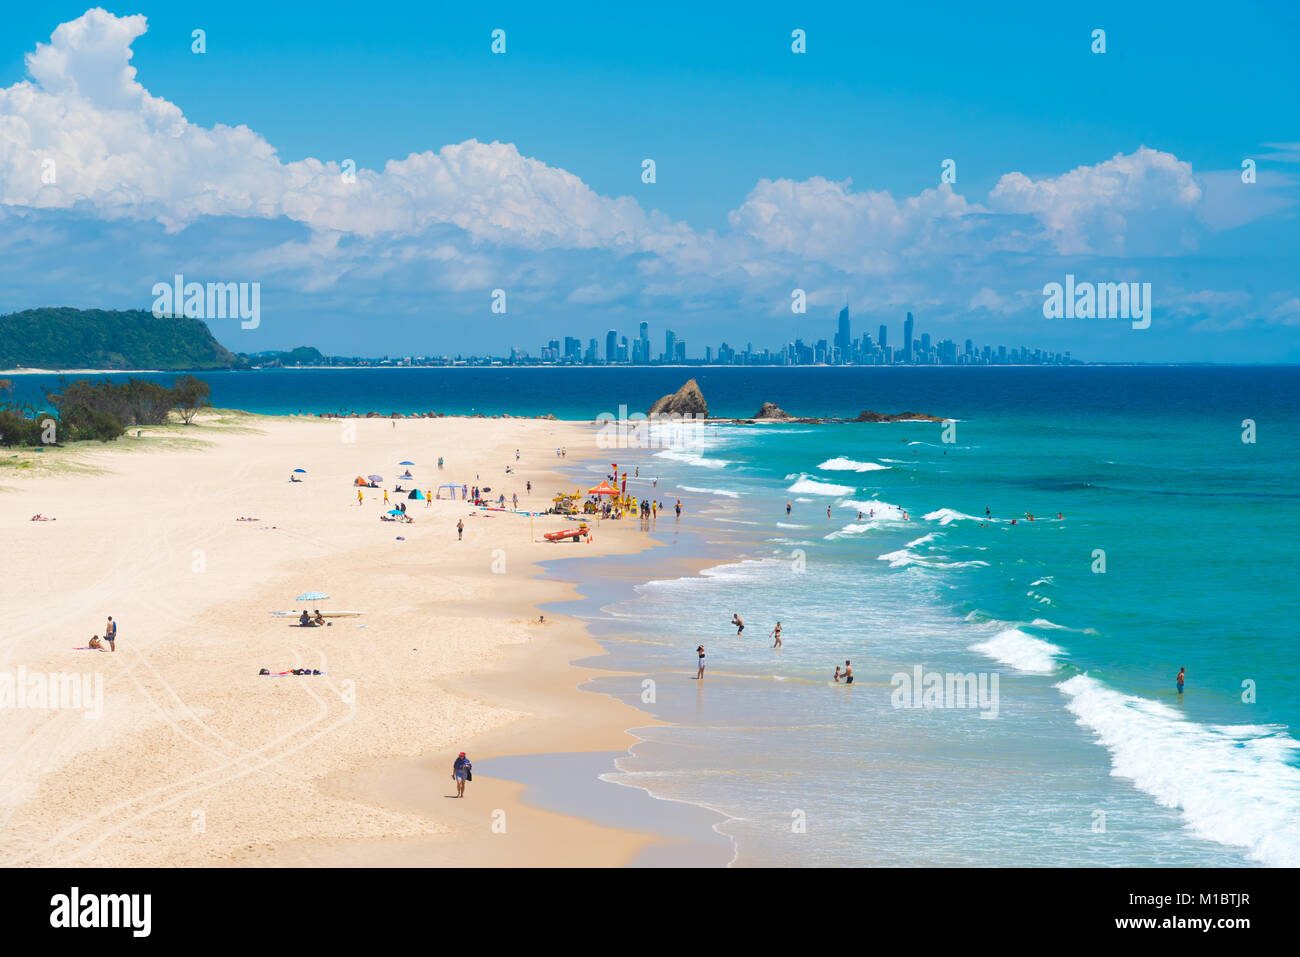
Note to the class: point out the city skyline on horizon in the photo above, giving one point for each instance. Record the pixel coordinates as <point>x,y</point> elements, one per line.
<point>687,170</point>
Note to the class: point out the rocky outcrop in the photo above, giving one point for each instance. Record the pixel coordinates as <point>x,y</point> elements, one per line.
<point>688,400</point>
<point>770,410</point>
<point>869,416</point>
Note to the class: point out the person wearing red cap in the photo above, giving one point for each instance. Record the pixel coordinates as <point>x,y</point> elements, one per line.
<point>460,772</point>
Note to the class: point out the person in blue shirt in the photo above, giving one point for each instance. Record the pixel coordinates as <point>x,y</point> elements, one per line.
<point>460,772</point>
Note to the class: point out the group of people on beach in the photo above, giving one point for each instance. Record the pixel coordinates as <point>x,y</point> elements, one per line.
<point>110,635</point>
<point>314,620</point>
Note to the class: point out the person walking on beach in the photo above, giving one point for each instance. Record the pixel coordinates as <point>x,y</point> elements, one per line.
<point>679,508</point>
<point>428,498</point>
<point>699,675</point>
<point>359,499</point>
<point>1182,676</point>
<point>461,771</point>
<point>516,455</point>
<point>460,529</point>
<point>739,623</point>
<point>385,496</point>
<point>528,486</point>
<point>110,635</point>
<point>776,633</point>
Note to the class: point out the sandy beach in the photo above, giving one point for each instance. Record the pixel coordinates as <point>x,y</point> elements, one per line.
<point>188,756</point>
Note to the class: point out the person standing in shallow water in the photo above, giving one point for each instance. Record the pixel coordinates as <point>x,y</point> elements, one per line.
<point>1182,677</point>
<point>699,675</point>
<point>776,633</point>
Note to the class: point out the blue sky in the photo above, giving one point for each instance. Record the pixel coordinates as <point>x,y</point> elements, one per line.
<point>774,170</point>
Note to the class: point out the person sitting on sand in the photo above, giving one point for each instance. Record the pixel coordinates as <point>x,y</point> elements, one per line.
<point>304,619</point>
<point>95,643</point>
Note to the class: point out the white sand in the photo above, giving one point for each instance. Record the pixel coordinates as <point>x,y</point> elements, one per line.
<point>198,760</point>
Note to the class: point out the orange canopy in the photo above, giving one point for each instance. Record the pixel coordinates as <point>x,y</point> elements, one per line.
<point>604,488</point>
<point>360,481</point>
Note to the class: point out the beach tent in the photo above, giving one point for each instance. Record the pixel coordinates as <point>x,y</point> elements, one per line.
<point>604,488</point>
<point>416,493</point>
<point>454,490</point>
<point>360,481</point>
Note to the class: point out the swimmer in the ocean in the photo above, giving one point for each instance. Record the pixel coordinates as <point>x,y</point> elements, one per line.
<point>776,633</point>
<point>1181,679</point>
<point>739,623</point>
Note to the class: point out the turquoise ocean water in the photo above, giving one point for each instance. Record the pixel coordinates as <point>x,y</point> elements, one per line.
<point>1092,758</point>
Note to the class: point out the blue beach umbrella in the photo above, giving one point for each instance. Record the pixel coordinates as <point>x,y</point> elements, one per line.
<point>394,511</point>
<point>405,463</point>
<point>311,596</point>
<point>301,471</point>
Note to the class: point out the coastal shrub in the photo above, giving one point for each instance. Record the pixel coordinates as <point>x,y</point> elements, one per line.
<point>189,394</point>
<point>18,429</point>
<point>93,424</point>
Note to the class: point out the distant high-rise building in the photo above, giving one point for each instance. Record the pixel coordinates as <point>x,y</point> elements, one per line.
<point>843,341</point>
<point>884,335</point>
<point>679,350</point>
<point>573,348</point>
<point>670,350</point>
<point>611,345</point>
<point>591,352</point>
<point>908,325</point>
<point>925,344</point>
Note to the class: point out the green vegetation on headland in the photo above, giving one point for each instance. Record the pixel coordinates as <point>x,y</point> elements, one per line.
<point>66,338</point>
<point>86,409</point>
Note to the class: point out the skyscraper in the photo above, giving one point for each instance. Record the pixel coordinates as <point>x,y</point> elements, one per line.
<point>611,345</point>
<point>645,341</point>
<point>908,325</point>
<point>670,350</point>
<point>884,335</point>
<point>843,341</point>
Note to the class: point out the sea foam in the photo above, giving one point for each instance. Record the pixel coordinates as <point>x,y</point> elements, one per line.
<point>1234,784</point>
<point>841,464</point>
<point>810,486</point>
<point>1021,651</point>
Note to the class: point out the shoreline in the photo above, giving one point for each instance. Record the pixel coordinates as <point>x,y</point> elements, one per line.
<point>520,696</point>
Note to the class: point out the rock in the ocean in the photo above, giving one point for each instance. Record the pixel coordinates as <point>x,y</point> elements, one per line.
<point>688,400</point>
<point>770,410</point>
<point>869,416</point>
